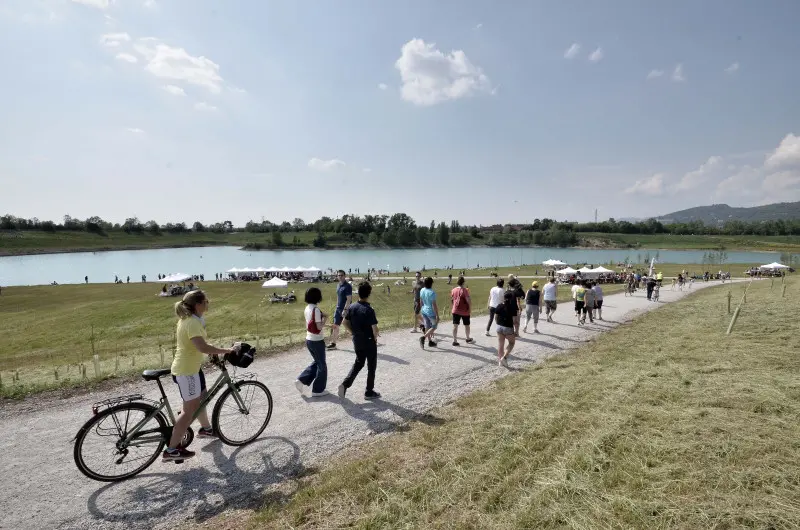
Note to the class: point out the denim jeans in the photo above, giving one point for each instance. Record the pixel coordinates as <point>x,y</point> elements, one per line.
<point>367,351</point>
<point>317,371</point>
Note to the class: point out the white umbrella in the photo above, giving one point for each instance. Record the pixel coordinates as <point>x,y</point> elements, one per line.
<point>275,282</point>
<point>774,265</point>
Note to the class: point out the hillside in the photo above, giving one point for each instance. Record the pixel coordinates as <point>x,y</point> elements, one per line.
<point>722,212</point>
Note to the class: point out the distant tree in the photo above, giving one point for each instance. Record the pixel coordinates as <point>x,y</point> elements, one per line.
<point>298,224</point>
<point>422,236</point>
<point>319,240</point>
<point>227,226</point>
<point>390,238</point>
<point>277,239</point>
<point>198,227</point>
<point>132,226</point>
<point>374,239</point>
<point>152,227</point>
<point>49,226</point>
<point>443,234</point>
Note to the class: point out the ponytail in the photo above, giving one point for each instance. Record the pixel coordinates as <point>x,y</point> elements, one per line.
<point>186,307</point>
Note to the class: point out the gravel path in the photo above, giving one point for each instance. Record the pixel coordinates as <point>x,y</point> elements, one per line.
<point>44,489</point>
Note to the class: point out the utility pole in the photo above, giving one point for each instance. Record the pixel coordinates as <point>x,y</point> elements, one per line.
<point>595,215</point>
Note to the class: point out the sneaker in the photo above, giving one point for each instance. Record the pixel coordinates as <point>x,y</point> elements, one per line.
<point>342,391</point>
<point>332,346</point>
<point>525,330</point>
<point>320,394</point>
<point>470,340</point>
<point>206,433</point>
<point>371,394</point>
<point>536,331</point>
<point>180,454</point>
<point>414,330</point>
<point>504,362</point>
<point>431,344</point>
<point>299,386</point>
<point>422,342</point>
<point>487,334</point>
<point>455,343</point>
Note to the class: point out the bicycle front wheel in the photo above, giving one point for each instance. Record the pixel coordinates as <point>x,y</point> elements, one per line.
<point>237,425</point>
<point>101,452</point>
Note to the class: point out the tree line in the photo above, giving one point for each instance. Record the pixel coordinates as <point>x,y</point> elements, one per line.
<point>401,230</point>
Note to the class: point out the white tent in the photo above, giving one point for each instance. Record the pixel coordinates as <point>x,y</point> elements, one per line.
<point>233,270</point>
<point>553,263</point>
<point>175,278</point>
<point>774,266</point>
<point>601,270</point>
<point>567,270</point>
<point>275,282</point>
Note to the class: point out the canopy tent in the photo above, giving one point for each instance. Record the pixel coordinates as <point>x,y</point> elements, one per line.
<point>275,282</point>
<point>567,270</point>
<point>602,270</point>
<point>175,278</point>
<point>233,270</point>
<point>774,266</point>
<point>553,263</point>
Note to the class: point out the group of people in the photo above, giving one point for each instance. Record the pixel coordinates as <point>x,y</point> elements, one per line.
<point>588,297</point>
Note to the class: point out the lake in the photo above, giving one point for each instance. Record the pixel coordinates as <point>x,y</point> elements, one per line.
<point>101,267</point>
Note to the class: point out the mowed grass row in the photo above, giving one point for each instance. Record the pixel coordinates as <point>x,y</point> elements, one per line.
<point>49,334</point>
<point>664,422</point>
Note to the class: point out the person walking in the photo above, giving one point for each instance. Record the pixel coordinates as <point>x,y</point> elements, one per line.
<point>187,371</point>
<point>462,305</point>
<point>416,287</point>
<point>533,307</point>
<point>575,286</point>
<point>580,295</point>
<point>362,323</point>
<point>495,299</point>
<point>316,374</point>
<point>344,297</point>
<point>430,313</point>
<point>651,284</point>
<point>588,301</point>
<point>598,299</point>
<point>86,279</point>
<point>515,286</point>
<point>505,312</point>
<point>551,298</point>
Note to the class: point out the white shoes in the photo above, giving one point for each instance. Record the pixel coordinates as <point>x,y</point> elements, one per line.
<point>299,386</point>
<point>320,394</point>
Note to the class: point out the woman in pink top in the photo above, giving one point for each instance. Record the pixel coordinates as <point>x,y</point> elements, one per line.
<point>461,310</point>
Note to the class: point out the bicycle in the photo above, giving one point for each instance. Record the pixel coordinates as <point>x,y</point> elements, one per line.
<point>132,430</point>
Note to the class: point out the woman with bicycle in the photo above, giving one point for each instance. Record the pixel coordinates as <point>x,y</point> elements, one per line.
<point>190,351</point>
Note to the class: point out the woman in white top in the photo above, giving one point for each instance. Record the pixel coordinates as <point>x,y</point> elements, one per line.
<point>550,298</point>
<point>495,299</point>
<point>316,374</point>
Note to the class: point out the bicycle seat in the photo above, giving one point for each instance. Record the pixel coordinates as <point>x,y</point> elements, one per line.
<point>152,375</point>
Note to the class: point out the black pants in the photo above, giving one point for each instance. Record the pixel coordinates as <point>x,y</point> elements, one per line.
<point>365,351</point>
<point>650,287</point>
<point>491,317</point>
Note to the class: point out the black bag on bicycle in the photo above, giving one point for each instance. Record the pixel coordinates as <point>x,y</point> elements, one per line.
<point>243,357</point>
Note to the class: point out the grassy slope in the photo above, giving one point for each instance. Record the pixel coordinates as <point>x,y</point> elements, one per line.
<point>45,327</point>
<point>32,242</point>
<point>665,422</point>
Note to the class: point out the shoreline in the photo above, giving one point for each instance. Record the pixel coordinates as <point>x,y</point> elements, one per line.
<point>210,244</point>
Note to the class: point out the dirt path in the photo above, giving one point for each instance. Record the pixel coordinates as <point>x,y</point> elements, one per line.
<point>43,488</point>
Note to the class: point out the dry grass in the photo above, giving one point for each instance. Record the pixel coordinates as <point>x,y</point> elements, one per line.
<point>663,423</point>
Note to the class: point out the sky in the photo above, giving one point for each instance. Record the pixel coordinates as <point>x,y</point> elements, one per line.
<point>485,112</point>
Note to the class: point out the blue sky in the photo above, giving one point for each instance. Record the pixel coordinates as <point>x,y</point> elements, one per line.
<point>183,110</point>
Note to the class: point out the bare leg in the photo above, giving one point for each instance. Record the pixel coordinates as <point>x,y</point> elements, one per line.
<point>334,334</point>
<point>511,342</point>
<point>466,331</point>
<point>183,421</point>
<point>500,342</point>
<point>455,332</point>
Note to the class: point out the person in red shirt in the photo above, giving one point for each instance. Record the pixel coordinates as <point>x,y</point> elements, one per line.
<point>461,310</point>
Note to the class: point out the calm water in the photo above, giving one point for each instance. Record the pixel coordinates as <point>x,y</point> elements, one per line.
<point>102,266</point>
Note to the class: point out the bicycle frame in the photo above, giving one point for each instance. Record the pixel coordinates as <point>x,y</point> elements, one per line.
<point>137,435</point>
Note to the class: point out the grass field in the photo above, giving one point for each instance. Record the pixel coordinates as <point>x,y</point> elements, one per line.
<point>46,330</point>
<point>36,242</point>
<point>662,423</point>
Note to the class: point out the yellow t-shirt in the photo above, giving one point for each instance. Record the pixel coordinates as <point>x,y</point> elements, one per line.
<point>188,359</point>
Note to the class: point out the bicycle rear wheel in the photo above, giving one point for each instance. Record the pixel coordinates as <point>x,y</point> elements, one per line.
<point>100,452</point>
<point>237,426</point>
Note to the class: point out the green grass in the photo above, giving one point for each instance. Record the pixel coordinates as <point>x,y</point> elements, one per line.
<point>49,328</point>
<point>662,423</point>
<point>36,242</point>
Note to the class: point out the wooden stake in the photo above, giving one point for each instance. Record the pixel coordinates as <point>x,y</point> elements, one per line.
<point>783,291</point>
<point>729,302</point>
<point>55,372</point>
<point>96,362</point>
<point>733,320</point>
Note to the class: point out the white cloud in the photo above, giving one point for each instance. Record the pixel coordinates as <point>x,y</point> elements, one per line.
<point>99,4</point>
<point>732,68</point>
<point>325,165</point>
<point>134,130</point>
<point>648,186</point>
<point>572,51</point>
<point>367,170</point>
<point>203,106</point>
<point>150,4</point>
<point>114,40</point>
<point>127,57</point>
<point>786,154</point>
<point>596,55</point>
<point>177,64</point>
<point>175,90</point>
<point>702,175</point>
<point>383,86</point>
<point>677,74</point>
<point>479,25</point>
<point>655,73</point>
<point>430,77</point>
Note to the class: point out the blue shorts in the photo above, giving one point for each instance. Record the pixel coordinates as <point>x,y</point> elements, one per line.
<point>338,317</point>
<point>429,322</point>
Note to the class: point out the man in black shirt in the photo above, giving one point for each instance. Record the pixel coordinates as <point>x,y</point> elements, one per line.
<point>362,323</point>
<point>515,286</point>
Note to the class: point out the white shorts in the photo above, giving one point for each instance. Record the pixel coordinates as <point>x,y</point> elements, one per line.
<point>190,386</point>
